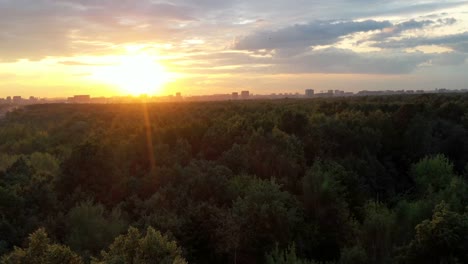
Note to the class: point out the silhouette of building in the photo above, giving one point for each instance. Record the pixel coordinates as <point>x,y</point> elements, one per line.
<point>99,100</point>
<point>235,96</point>
<point>309,93</point>
<point>322,94</point>
<point>245,94</point>
<point>17,99</point>
<point>80,99</point>
<point>339,93</point>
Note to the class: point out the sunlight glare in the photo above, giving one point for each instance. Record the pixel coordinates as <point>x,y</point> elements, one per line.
<point>135,75</point>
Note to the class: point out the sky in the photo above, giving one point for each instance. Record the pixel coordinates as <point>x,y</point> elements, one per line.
<point>60,48</point>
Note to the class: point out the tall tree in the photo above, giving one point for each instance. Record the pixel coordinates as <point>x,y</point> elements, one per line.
<point>137,248</point>
<point>40,251</point>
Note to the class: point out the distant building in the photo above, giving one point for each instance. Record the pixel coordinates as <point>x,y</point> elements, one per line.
<point>245,94</point>
<point>80,99</point>
<point>17,99</point>
<point>99,100</point>
<point>339,92</point>
<point>441,90</point>
<point>309,93</point>
<point>235,96</point>
<point>8,100</point>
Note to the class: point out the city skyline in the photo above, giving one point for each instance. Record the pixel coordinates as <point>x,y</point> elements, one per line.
<point>61,48</point>
<point>234,96</point>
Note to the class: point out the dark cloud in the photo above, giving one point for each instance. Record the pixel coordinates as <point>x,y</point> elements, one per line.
<point>402,27</point>
<point>398,29</point>
<point>35,29</point>
<point>331,60</point>
<point>449,59</point>
<point>461,46</point>
<point>345,61</point>
<point>408,8</point>
<point>458,42</point>
<point>290,41</point>
<point>306,35</point>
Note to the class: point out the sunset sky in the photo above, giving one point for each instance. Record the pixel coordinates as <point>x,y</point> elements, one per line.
<point>58,48</point>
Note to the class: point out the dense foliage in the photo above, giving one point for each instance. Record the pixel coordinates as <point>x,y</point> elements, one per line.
<point>356,180</point>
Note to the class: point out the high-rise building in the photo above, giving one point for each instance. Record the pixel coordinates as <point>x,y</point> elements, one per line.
<point>80,99</point>
<point>309,93</point>
<point>235,96</point>
<point>17,99</point>
<point>245,94</point>
<point>339,92</point>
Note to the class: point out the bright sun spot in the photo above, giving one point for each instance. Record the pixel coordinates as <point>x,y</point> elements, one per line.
<point>134,74</point>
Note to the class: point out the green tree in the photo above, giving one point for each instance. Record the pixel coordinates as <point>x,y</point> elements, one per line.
<point>90,228</point>
<point>432,174</point>
<point>376,233</point>
<point>136,248</point>
<point>264,214</point>
<point>325,202</point>
<point>44,163</point>
<point>287,256</point>
<point>353,255</point>
<point>6,161</point>
<point>324,192</point>
<point>40,251</point>
<point>442,239</point>
<point>90,169</point>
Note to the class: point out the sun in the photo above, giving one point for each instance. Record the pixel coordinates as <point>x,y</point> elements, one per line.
<point>134,74</point>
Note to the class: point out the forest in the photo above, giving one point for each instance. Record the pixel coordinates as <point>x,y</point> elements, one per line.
<point>332,180</point>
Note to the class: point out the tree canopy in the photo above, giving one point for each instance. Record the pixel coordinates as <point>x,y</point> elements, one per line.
<point>332,180</point>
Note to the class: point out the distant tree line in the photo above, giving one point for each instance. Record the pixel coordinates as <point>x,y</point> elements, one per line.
<point>352,180</point>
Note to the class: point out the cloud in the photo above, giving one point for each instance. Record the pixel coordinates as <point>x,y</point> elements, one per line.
<point>397,29</point>
<point>458,42</point>
<point>302,36</point>
<point>296,39</point>
<point>40,28</point>
<point>35,29</point>
<point>346,61</point>
<point>78,63</point>
<point>449,59</point>
<point>406,8</point>
<point>325,61</point>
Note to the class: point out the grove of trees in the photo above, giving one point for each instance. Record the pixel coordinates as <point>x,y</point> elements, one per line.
<point>350,180</point>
